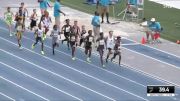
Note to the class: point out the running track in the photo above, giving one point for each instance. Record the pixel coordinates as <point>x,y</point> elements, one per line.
<point>28,75</point>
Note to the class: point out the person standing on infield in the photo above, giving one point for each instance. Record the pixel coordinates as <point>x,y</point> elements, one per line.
<point>57,11</point>
<point>104,9</point>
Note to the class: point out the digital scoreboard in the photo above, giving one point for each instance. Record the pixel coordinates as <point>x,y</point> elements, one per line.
<point>160,90</point>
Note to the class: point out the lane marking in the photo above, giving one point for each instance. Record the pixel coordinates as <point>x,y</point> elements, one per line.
<point>58,76</point>
<point>23,88</point>
<point>79,71</point>
<point>151,58</point>
<point>130,44</point>
<point>154,48</point>
<point>38,80</point>
<point>10,98</point>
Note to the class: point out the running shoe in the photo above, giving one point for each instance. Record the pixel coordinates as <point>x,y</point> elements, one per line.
<point>20,47</point>
<point>73,58</point>
<point>42,52</point>
<point>32,46</point>
<point>103,66</point>
<point>88,59</point>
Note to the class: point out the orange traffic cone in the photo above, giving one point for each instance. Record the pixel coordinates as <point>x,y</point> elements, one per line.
<point>143,40</point>
<point>178,41</point>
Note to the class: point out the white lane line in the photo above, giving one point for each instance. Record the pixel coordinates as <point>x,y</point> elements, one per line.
<point>76,71</point>
<point>24,88</point>
<point>151,58</point>
<point>39,80</point>
<point>93,65</point>
<point>58,76</point>
<point>10,98</point>
<point>151,76</point>
<point>131,44</point>
<point>154,48</point>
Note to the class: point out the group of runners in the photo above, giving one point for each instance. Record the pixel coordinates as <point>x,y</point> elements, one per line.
<point>74,35</point>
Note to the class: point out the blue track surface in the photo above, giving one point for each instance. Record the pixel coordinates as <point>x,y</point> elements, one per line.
<point>57,77</point>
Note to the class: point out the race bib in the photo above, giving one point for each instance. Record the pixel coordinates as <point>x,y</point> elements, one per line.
<point>19,28</point>
<point>56,33</point>
<point>73,38</point>
<point>101,42</point>
<point>119,47</point>
<point>67,29</point>
<point>90,39</point>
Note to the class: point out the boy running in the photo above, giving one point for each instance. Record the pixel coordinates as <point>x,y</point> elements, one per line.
<point>46,20</point>
<point>66,30</point>
<point>8,16</point>
<point>74,38</point>
<point>38,36</point>
<point>110,40</point>
<point>24,12</point>
<point>33,19</point>
<point>117,49</point>
<point>76,30</point>
<point>101,41</point>
<point>83,32</point>
<point>88,45</point>
<point>19,29</point>
<point>54,34</point>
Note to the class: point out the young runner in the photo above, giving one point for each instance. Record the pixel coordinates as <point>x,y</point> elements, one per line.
<point>24,13</point>
<point>33,19</point>
<point>100,48</point>
<point>54,34</point>
<point>8,16</point>
<point>83,32</point>
<point>117,49</point>
<point>74,38</point>
<point>110,40</point>
<point>67,30</point>
<point>46,20</point>
<point>38,36</point>
<point>76,31</point>
<point>19,29</point>
<point>88,44</point>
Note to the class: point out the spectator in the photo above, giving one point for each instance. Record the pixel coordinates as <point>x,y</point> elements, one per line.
<point>57,11</point>
<point>104,9</point>
<point>154,27</point>
<point>96,25</point>
<point>43,5</point>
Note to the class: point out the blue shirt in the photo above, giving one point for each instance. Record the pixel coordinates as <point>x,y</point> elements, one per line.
<point>104,2</point>
<point>133,2</point>
<point>44,4</point>
<point>95,21</point>
<point>57,7</point>
<point>155,26</point>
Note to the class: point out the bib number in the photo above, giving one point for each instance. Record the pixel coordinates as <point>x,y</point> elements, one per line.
<point>101,42</point>
<point>90,39</point>
<point>73,38</point>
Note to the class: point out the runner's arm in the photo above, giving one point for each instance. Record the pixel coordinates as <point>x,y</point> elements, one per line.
<point>27,12</point>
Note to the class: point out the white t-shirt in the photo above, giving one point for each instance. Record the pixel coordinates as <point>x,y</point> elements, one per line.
<point>110,42</point>
<point>40,32</point>
<point>55,33</point>
<point>46,21</point>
